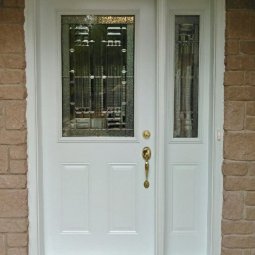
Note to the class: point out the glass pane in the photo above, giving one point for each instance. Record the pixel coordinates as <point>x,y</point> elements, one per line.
<point>98,75</point>
<point>186,76</point>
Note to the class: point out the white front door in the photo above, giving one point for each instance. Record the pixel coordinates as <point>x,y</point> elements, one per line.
<point>98,96</point>
<point>98,124</point>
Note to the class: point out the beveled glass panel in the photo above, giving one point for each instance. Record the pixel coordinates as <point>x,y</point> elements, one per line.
<point>186,76</point>
<point>98,75</point>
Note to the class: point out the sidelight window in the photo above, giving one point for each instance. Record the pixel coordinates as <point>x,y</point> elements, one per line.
<point>186,76</point>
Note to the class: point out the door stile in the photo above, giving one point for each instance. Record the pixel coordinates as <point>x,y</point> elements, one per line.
<point>161,15</point>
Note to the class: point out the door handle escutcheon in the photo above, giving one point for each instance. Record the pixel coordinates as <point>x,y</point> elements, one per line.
<point>146,156</point>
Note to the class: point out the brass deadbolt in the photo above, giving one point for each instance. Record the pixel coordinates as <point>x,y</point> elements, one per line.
<point>146,134</point>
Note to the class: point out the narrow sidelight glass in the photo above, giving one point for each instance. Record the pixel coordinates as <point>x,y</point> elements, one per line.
<point>98,75</point>
<point>186,76</point>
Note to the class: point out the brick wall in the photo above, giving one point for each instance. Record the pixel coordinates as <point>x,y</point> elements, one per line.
<point>13,165</point>
<point>238,224</point>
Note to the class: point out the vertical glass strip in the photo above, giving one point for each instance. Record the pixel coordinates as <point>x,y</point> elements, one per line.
<point>186,76</point>
<point>98,75</point>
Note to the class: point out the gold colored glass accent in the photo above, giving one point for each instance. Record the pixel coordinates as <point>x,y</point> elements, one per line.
<point>115,20</point>
<point>186,76</point>
<point>98,75</point>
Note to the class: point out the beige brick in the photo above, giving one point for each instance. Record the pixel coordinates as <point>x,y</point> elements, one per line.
<point>247,62</point>
<point>18,151</point>
<point>2,108</point>
<point>235,28</point>
<point>249,78</point>
<point>11,76</point>
<point>3,159</point>
<point>240,93</point>
<point>13,193</point>
<point>15,115</point>
<point>12,61</point>
<point>251,168</point>
<point>13,225</point>
<point>234,78</point>
<point>232,47</point>
<point>234,168</point>
<point>250,123</point>
<point>250,108</point>
<point>2,245</point>
<point>14,3</point>
<point>17,251</point>
<point>11,15</point>
<point>11,42</point>
<point>238,241</point>
<point>239,146</point>
<point>2,122</point>
<point>250,198</point>
<point>13,181</point>
<point>233,205</point>
<point>233,62</point>
<point>240,4</point>
<point>240,62</point>
<point>247,47</point>
<point>18,166</point>
<point>13,136</point>
<point>234,115</point>
<point>247,252</point>
<point>13,92</point>
<point>13,203</point>
<point>17,240</point>
<point>250,213</point>
<point>239,183</point>
<point>231,252</point>
<point>232,227</point>
<point>241,24</point>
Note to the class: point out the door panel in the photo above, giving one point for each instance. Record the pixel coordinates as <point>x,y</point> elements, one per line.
<point>75,198</point>
<point>94,198</point>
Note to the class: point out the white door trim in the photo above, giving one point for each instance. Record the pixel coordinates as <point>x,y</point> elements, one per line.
<point>33,123</point>
<point>217,82</point>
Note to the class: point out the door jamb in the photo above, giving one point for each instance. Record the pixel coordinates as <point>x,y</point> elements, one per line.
<point>33,123</point>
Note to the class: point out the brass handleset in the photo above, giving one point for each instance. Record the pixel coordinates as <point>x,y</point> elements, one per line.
<point>146,153</point>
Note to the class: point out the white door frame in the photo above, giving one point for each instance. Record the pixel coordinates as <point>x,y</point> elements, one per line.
<point>216,142</point>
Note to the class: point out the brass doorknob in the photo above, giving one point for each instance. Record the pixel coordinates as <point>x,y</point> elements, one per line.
<point>146,153</point>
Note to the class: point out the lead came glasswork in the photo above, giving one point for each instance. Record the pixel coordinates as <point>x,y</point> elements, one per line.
<point>186,76</point>
<point>98,75</point>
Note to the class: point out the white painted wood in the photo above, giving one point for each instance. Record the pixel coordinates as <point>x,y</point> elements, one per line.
<point>160,127</point>
<point>216,185</point>
<point>98,211</point>
<point>184,186</point>
<point>34,132</point>
<point>122,199</point>
<point>33,126</point>
<point>188,159</point>
<point>75,183</point>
